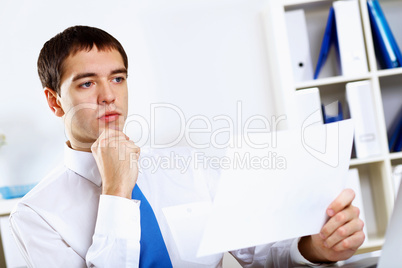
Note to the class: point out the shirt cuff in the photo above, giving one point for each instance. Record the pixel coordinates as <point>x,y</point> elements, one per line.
<point>298,258</point>
<point>120,216</point>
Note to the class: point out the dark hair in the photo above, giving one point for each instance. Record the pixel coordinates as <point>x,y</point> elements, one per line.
<point>70,41</point>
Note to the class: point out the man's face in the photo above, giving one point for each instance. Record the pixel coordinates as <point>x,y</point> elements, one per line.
<point>93,95</point>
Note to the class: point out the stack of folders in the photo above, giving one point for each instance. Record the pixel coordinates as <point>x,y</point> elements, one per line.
<point>386,48</point>
<point>361,107</point>
<point>344,31</point>
<point>395,133</point>
<point>310,110</point>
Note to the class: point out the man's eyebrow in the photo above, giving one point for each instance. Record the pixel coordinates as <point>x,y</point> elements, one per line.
<point>83,75</point>
<point>119,71</point>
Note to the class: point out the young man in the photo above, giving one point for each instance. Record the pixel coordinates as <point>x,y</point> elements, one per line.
<point>82,214</point>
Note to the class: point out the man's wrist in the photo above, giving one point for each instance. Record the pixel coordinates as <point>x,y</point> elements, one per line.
<point>308,250</point>
<point>117,191</point>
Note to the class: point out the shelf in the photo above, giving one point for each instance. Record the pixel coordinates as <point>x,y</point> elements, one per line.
<point>371,245</point>
<point>345,79</point>
<point>389,72</point>
<point>363,161</point>
<point>288,3</point>
<point>375,172</point>
<point>394,156</point>
<point>331,81</point>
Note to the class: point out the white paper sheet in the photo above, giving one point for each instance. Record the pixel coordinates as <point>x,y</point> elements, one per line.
<point>281,191</point>
<point>187,223</point>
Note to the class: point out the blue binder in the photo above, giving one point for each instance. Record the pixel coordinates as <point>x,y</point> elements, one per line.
<point>386,48</point>
<point>330,38</point>
<point>395,133</point>
<point>398,143</point>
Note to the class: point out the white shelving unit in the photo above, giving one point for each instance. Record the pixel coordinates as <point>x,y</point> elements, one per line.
<point>375,172</point>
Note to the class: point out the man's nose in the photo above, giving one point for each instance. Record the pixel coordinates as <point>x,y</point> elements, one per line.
<point>106,93</point>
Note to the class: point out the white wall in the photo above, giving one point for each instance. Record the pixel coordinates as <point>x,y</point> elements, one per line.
<point>201,56</point>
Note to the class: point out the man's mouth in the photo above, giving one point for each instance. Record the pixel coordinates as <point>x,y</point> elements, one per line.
<point>110,116</point>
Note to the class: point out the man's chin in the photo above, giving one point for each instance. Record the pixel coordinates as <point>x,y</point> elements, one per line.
<point>108,128</point>
<point>114,127</point>
<point>110,125</point>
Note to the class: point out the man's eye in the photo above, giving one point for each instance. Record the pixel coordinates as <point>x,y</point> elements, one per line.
<point>86,85</point>
<point>118,79</point>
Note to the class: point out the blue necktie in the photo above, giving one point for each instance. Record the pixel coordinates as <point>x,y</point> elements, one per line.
<point>153,251</point>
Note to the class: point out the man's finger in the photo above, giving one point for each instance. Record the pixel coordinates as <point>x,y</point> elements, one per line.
<point>111,141</point>
<point>338,220</point>
<point>110,132</point>
<point>343,232</point>
<point>352,242</point>
<point>342,201</point>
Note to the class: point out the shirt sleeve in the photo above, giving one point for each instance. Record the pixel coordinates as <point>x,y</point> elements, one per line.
<point>279,254</point>
<point>34,236</point>
<point>116,241</point>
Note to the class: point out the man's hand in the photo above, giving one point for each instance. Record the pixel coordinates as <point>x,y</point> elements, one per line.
<point>340,237</point>
<point>117,160</point>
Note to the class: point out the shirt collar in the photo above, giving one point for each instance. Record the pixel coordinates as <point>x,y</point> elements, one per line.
<point>82,163</point>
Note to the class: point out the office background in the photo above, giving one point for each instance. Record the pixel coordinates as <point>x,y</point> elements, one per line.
<point>201,58</point>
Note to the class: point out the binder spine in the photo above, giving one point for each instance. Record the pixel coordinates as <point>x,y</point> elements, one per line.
<point>361,107</point>
<point>388,31</point>
<point>327,41</point>
<point>387,50</point>
<point>299,45</point>
<point>352,50</point>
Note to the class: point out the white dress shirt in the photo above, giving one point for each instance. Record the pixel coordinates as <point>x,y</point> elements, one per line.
<point>65,221</point>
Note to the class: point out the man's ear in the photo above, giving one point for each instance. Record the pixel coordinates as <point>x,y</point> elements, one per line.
<point>53,101</point>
